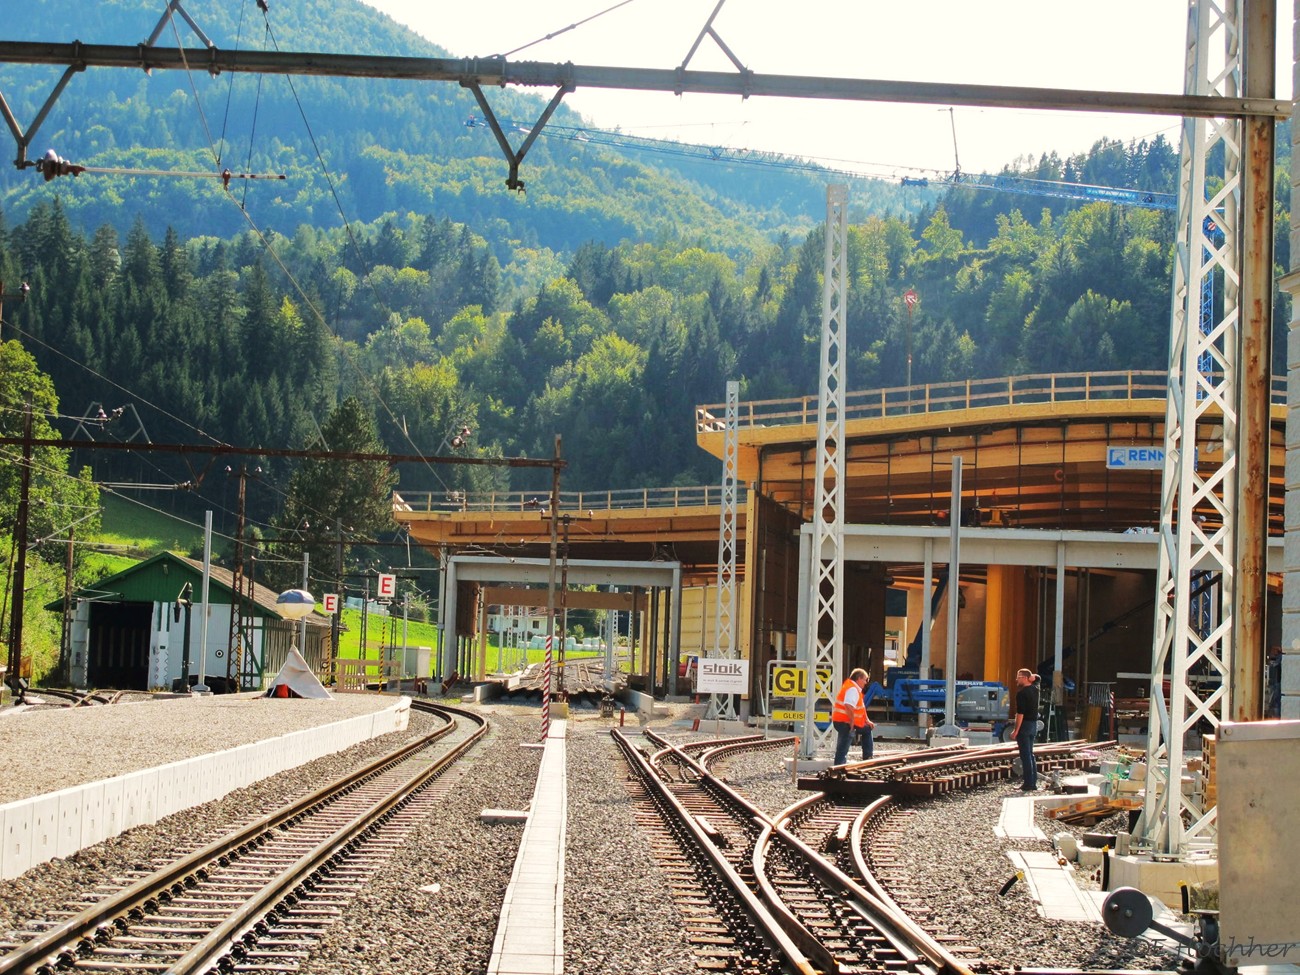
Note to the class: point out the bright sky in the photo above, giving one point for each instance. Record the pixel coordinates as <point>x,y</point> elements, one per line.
<point>1117,45</point>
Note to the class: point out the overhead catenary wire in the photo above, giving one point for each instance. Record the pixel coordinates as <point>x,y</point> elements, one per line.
<point>297,286</point>
<point>564,30</point>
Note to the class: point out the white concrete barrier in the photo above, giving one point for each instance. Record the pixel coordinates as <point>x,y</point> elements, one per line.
<point>58,824</point>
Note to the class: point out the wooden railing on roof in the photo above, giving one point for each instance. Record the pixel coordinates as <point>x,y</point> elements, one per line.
<point>967,394</point>
<point>503,502</point>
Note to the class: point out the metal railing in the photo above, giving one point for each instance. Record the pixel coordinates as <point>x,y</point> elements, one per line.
<point>894,401</point>
<point>504,502</point>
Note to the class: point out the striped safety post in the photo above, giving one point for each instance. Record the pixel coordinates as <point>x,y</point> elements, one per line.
<point>546,691</point>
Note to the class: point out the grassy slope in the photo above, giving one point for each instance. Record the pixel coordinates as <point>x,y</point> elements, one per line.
<point>142,532</point>
<point>417,635</point>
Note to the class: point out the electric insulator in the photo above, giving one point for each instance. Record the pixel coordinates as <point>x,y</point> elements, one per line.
<point>52,165</point>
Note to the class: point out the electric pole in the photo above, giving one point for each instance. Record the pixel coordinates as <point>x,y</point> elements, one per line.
<point>20,566</point>
<point>235,641</point>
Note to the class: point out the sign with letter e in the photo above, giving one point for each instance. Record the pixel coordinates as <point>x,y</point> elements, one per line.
<point>721,676</point>
<point>331,602</point>
<point>387,587</point>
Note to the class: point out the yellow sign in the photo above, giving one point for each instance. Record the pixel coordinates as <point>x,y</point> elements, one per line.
<point>797,716</point>
<point>792,681</point>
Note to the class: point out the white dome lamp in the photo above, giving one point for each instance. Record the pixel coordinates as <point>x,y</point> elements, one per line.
<point>296,605</point>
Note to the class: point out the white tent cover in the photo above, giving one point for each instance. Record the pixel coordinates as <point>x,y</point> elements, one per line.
<point>298,678</point>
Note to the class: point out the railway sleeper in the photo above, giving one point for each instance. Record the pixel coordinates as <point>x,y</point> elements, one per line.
<point>712,928</point>
<point>710,939</point>
<point>837,838</point>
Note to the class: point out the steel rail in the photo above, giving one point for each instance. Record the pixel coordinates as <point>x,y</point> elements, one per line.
<point>869,813</point>
<point>76,699</point>
<point>794,928</point>
<point>718,752</point>
<point>227,938</point>
<point>740,743</point>
<point>930,772</point>
<point>59,945</point>
<point>904,935</point>
<point>792,952</point>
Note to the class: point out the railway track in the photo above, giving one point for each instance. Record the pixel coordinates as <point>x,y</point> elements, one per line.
<point>806,877</point>
<point>934,771</point>
<point>725,922</point>
<point>580,677</point>
<point>75,699</point>
<point>257,899</point>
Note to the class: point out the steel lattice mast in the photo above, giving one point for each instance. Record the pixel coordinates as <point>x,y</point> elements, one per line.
<point>1198,517</point>
<point>724,616</point>
<point>826,605</point>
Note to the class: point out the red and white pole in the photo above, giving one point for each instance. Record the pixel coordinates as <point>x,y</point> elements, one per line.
<point>546,690</point>
<point>554,508</point>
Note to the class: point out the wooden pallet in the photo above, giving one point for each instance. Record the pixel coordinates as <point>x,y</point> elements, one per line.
<point>1090,810</point>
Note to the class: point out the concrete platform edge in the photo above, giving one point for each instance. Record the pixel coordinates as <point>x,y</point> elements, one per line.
<point>57,824</point>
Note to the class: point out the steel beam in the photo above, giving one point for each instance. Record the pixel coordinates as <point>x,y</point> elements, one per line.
<point>542,74</point>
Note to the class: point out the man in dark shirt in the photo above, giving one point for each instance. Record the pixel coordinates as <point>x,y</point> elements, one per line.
<point>1273,703</point>
<point>1027,725</point>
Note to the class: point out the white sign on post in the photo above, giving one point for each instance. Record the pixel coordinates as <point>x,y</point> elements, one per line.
<point>387,587</point>
<point>720,676</point>
<point>331,602</point>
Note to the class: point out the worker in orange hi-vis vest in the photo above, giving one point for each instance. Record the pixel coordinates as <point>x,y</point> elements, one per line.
<point>849,716</point>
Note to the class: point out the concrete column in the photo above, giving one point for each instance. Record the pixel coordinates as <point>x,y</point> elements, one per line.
<point>450,642</point>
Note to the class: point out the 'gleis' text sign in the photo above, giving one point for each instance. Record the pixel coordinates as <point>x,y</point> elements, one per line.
<point>1135,458</point>
<point>794,717</point>
<point>719,676</point>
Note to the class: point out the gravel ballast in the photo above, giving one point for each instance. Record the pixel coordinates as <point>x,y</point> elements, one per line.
<point>48,749</point>
<point>434,907</point>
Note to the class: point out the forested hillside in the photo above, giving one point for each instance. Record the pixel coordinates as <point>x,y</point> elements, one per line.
<point>357,148</point>
<point>393,293</point>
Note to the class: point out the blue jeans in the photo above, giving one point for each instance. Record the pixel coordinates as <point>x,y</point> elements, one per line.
<point>1028,765</point>
<point>844,733</point>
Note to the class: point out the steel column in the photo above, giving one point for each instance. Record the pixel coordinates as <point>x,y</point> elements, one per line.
<point>1198,510</point>
<point>724,617</point>
<point>826,619</point>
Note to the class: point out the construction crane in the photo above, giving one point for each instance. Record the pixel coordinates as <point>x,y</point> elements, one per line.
<point>1058,189</point>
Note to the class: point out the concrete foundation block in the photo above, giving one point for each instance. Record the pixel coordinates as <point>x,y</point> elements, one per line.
<point>943,741</point>
<point>1091,856</point>
<point>1160,879</point>
<point>807,766</point>
<point>491,816</point>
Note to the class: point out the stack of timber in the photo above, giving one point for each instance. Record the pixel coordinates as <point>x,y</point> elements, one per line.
<point>1209,780</point>
<point>1089,810</point>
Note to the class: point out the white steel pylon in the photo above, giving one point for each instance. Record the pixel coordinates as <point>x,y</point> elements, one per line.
<point>825,640</point>
<point>1198,510</point>
<point>724,616</point>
